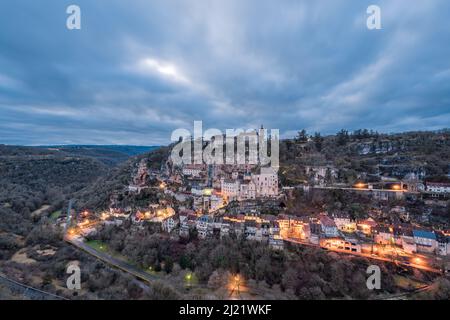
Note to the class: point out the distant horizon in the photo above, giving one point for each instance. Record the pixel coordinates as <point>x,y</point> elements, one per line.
<point>79,145</point>
<point>163,145</point>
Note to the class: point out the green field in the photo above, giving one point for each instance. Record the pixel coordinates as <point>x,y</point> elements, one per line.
<point>55,215</point>
<point>103,247</point>
<point>98,245</point>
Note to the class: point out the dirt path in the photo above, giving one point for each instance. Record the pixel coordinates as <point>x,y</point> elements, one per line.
<point>39,211</point>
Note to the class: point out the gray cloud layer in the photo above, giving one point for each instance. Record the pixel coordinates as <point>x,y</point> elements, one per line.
<point>139,69</point>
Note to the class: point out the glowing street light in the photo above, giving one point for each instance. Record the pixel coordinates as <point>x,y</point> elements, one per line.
<point>237,283</point>
<point>188,278</point>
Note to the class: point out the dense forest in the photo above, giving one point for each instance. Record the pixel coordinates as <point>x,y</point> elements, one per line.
<point>31,182</point>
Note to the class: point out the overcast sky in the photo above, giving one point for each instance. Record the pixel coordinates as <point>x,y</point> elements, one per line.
<point>137,70</point>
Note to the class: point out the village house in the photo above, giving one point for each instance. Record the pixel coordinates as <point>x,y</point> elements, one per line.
<point>193,170</point>
<point>266,182</point>
<point>169,224</point>
<point>225,229</point>
<point>391,194</point>
<point>265,228</point>
<point>276,242</point>
<point>119,213</point>
<point>135,189</point>
<point>425,241</point>
<point>341,244</point>
<point>403,237</point>
<point>328,227</point>
<point>409,245</point>
<point>247,190</point>
<point>203,225</point>
<point>230,188</point>
<point>184,230</point>
<point>274,229</point>
<point>438,187</point>
<point>343,222</point>
<point>251,228</point>
<point>402,231</point>
<point>196,190</point>
<point>384,235</point>
<point>237,228</point>
<point>443,244</point>
<point>292,227</point>
<point>315,229</point>
<point>188,221</point>
<point>366,226</point>
<point>283,225</point>
<point>215,202</point>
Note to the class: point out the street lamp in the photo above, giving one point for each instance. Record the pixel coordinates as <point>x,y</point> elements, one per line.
<point>188,279</point>
<point>360,185</point>
<point>237,282</point>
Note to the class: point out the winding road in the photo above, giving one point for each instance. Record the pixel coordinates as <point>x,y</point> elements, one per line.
<point>119,264</point>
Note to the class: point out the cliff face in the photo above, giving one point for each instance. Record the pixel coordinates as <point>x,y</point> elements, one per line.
<point>352,156</point>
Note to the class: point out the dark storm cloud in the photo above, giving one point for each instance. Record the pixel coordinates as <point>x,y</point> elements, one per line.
<point>139,69</point>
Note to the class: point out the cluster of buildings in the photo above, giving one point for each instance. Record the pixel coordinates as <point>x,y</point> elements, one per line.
<point>262,228</point>
<point>337,232</point>
<point>250,186</point>
<point>235,182</point>
<point>213,187</point>
<point>156,213</point>
<point>341,232</point>
<point>414,240</point>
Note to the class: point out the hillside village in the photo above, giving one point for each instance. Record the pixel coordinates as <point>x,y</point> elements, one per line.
<point>329,204</point>
<point>247,201</point>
